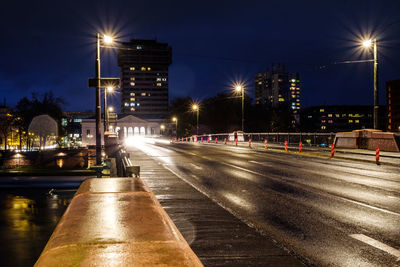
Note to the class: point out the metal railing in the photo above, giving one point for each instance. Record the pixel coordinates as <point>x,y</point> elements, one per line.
<point>308,139</point>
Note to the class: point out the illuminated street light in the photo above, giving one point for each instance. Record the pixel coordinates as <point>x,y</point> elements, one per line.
<point>162,127</point>
<point>196,108</point>
<point>108,89</point>
<point>110,109</point>
<point>367,44</point>
<point>107,39</point>
<point>240,88</point>
<point>175,119</point>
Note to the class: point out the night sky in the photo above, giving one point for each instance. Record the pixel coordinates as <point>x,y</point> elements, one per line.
<point>50,45</point>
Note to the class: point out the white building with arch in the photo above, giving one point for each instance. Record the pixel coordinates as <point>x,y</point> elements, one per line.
<point>125,127</point>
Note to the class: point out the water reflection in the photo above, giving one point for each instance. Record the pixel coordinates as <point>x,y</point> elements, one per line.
<point>27,219</point>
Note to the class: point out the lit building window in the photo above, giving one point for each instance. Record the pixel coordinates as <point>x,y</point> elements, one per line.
<point>350,121</point>
<point>158,79</point>
<point>143,94</point>
<point>281,99</point>
<point>164,79</point>
<point>357,121</point>
<point>132,109</point>
<point>132,104</point>
<point>139,47</point>
<point>323,127</point>
<point>322,110</point>
<point>132,94</point>
<point>143,68</point>
<point>149,69</point>
<point>138,104</point>
<point>158,84</point>
<point>132,99</point>
<point>132,78</point>
<point>330,121</point>
<point>132,84</point>
<point>132,68</point>
<point>330,115</point>
<point>126,104</point>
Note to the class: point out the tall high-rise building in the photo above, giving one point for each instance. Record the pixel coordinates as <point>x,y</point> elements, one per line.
<point>393,105</point>
<point>278,88</point>
<point>144,78</point>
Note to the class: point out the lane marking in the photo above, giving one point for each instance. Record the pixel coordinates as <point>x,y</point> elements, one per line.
<point>375,243</point>
<point>313,189</point>
<point>196,167</point>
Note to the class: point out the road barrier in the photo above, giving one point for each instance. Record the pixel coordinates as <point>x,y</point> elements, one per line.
<point>116,222</point>
<point>286,148</point>
<point>250,142</point>
<point>216,140</point>
<point>265,144</point>
<point>202,139</point>
<point>377,155</point>
<point>333,150</point>
<point>300,146</point>
<point>236,141</point>
<point>225,141</point>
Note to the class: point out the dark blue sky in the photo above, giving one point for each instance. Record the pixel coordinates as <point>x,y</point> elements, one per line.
<point>49,45</point>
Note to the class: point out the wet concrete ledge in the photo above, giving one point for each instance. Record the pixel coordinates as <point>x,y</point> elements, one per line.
<point>116,222</point>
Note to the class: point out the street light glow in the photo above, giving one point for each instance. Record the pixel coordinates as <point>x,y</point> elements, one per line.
<point>107,39</point>
<point>238,88</point>
<point>110,89</point>
<point>195,106</point>
<point>367,43</point>
<point>110,109</point>
<point>174,119</point>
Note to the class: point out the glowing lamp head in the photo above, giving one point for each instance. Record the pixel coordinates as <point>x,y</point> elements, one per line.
<point>108,39</point>
<point>238,88</point>
<point>110,109</point>
<point>367,43</point>
<point>162,127</point>
<point>195,107</point>
<point>110,89</point>
<point>174,119</point>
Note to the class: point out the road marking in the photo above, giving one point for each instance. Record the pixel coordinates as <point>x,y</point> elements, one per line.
<point>375,243</point>
<point>196,167</point>
<point>313,189</point>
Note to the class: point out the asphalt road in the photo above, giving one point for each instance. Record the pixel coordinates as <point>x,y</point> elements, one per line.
<point>329,212</point>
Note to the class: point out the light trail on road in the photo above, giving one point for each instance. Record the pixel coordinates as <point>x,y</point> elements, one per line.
<point>312,206</point>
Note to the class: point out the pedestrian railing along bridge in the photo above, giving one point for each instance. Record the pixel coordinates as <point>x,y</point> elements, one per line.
<point>308,139</point>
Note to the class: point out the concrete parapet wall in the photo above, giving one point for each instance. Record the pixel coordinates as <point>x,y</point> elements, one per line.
<point>116,222</point>
<point>367,139</point>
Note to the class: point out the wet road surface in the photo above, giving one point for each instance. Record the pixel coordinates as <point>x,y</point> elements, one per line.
<point>328,212</point>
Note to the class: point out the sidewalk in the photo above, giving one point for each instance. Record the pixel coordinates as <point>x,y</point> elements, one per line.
<point>217,237</point>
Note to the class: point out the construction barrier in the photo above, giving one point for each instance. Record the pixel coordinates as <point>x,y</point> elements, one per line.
<point>286,148</point>
<point>265,144</point>
<point>333,150</point>
<point>225,141</point>
<point>236,140</point>
<point>250,142</point>
<point>377,155</point>
<point>300,146</point>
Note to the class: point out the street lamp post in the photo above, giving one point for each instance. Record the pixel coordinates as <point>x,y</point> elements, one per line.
<point>175,119</point>
<point>196,108</point>
<point>106,39</point>
<point>368,43</point>
<point>240,88</point>
<point>98,102</point>
<point>106,117</point>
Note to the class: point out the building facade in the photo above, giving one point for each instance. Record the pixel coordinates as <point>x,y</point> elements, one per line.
<point>338,118</point>
<point>393,105</point>
<point>127,126</point>
<point>278,88</point>
<point>144,78</point>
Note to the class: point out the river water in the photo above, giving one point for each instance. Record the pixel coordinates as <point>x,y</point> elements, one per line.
<point>28,217</point>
